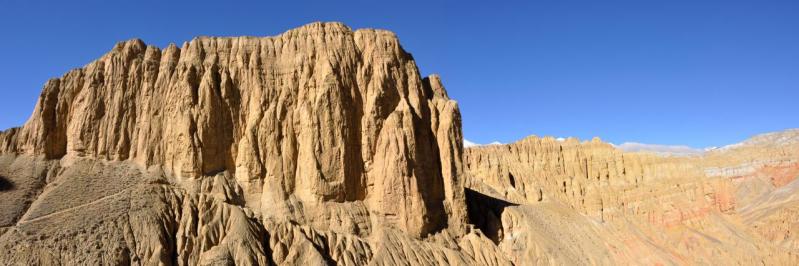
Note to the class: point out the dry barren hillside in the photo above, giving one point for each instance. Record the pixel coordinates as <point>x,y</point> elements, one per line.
<point>572,202</point>
<point>325,146</point>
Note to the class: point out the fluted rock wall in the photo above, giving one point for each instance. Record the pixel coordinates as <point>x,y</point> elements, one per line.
<point>318,114</point>
<point>598,180</point>
<point>322,145</point>
<point>573,202</point>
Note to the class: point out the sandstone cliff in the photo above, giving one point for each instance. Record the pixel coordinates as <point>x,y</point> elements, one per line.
<point>573,202</point>
<point>325,146</point>
<point>320,145</point>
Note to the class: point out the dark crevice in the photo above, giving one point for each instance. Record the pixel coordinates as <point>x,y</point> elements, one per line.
<point>173,255</point>
<point>323,249</point>
<point>5,184</point>
<point>512,180</point>
<point>268,252</point>
<point>485,212</point>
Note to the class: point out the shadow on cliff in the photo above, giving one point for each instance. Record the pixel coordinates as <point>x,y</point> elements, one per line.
<point>5,184</point>
<point>485,212</point>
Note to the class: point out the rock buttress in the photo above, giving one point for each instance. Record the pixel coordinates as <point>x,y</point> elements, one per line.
<point>317,114</point>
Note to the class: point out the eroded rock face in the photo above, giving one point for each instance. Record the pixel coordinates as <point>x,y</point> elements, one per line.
<point>317,114</point>
<point>764,170</point>
<point>590,203</point>
<point>596,179</point>
<point>322,145</point>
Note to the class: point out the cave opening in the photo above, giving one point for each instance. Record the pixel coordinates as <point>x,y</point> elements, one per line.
<point>485,212</point>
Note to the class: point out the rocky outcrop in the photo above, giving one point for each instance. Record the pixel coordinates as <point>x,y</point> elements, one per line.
<point>591,203</point>
<point>321,145</point>
<point>317,114</point>
<point>764,170</point>
<point>598,180</point>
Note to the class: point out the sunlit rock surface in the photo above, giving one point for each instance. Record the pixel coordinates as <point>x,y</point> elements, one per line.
<point>590,203</point>
<point>325,146</point>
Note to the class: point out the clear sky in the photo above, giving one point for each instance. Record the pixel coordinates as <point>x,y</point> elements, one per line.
<point>699,73</point>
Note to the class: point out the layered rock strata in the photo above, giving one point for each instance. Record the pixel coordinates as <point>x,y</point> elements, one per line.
<point>764,170</point>
<point>591,203</point>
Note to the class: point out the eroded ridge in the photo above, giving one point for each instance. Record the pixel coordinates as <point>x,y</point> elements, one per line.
<point>589,202</point>
<point>319,145</point>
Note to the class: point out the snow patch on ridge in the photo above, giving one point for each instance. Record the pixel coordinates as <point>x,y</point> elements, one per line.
<point>675,150</point>
<point>468,144</point>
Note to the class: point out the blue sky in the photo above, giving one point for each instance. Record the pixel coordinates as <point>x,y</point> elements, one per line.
<point>698,73</point>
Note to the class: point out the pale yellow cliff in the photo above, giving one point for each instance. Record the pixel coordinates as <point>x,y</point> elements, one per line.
<point>322,144</point>
<point>572,202</point>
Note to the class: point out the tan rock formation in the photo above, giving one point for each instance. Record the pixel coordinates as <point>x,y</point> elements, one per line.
<point>764,170</point>
<point>325,146</point>
<point>320,145</point>
<point>590,203</point>
<point>317,114</point>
